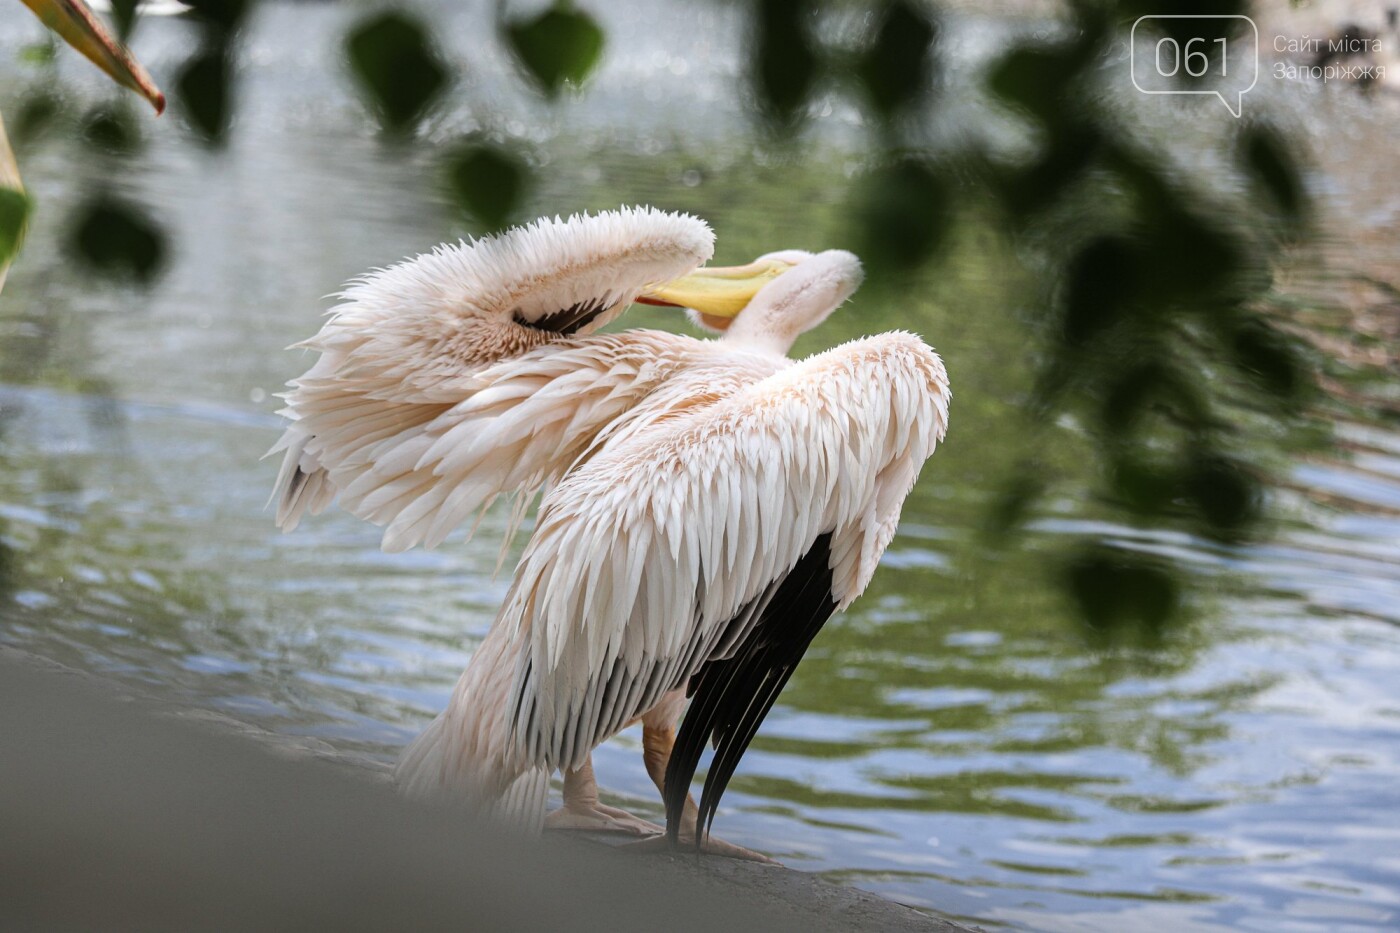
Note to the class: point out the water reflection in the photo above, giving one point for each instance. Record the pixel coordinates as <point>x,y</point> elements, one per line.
<point>953,742</point>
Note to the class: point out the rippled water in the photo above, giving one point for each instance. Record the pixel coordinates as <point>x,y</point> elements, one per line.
<point>951,742</point>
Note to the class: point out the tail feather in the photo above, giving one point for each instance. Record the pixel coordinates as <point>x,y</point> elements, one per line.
<point>422,772</point>
<point>524,802</point>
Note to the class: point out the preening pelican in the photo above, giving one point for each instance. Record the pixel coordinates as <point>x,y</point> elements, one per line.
<point>708,504</point>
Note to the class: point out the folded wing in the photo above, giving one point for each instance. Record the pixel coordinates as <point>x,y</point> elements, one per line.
<point>710,548</point>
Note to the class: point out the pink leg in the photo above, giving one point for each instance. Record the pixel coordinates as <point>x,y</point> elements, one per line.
<point>583,811</point>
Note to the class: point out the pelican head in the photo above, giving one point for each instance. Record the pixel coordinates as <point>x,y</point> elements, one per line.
<point>768,303</point>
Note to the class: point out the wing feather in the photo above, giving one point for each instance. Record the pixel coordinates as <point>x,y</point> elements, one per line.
<point>425,475</point>
<point>732,696</point>
<point>711,511</point>
<point>399,376</point>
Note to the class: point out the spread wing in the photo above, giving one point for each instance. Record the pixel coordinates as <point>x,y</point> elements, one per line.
<point>716,544</point>
<point>409,347</point>
<point>520,426</point>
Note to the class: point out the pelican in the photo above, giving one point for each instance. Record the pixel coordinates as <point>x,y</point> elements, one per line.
<point>707,503</point>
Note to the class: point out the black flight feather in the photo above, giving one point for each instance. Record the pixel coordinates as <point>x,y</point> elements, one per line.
<point>732,696</point>
<point>570,319</point>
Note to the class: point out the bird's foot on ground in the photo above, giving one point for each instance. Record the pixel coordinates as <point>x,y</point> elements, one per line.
<point>711,846</point>
<point>599,818</point>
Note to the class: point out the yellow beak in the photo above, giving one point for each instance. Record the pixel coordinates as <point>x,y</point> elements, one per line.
<point>717,291</point>
<point>80,28</point>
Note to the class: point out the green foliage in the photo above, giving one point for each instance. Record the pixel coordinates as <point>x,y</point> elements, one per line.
<point>14,211</point>
<point>124,17</point>
<point>1156,283</point>
<point>115,238</point>
<point>784,58</point>
<point>1270,358</point>
<point>220,18</point>
<point>202,88</point>
<point>204,82</point>
<point>1038,79</point>
<point>1151,332</point>
<point>903,210</point>
<point>398,69</point>
<point>897,68</point>
<point>1144,385</point>
<point>1222,492</point>
<point>110,129</point>
<point>1186,22</point>
<point>37,113</point>
<point>558,46</point>
<point>40,53</point>
<point>1118,591</point>
<point>1273,168</point>
<point>487,182</point>
<point>1106,281</point>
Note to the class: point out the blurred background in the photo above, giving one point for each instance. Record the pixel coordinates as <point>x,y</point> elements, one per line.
<point>1131,660</point>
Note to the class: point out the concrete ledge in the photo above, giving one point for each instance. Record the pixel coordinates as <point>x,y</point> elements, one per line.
<point>121,813</point>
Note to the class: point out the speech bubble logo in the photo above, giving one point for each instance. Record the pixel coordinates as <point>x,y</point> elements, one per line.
<point>1208,55</point>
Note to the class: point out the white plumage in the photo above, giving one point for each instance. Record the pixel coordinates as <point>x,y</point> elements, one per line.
<point>708,503</point>
<point>405,348</point>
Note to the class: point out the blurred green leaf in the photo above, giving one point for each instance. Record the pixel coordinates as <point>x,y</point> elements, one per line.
<point>487,183</point>
<point>110,128</point>
<point>202,88</point>
<point>14,204</point>
<point>1275,170</point>
<point>1072,149</point>
<point>1193,260</point>
<point>1129,395</point>
<point>40,53</point>
<point>904,213</point>
<point>1036,80</point>
<point>1189,19</point>
<point>1196,259</point>
<point>1144,485</point>
<point>783,57</point>
<point>398,69</point>
<point>1116,589</point>
<point>1269,358</point>
<point>224,16</point>
<point>1012,506</point>
<point>37,113</point>
<point>1147,382</point>
<point>1104,286</point>
<point>897,69</point>
<point>124,17</point>
<point>559,45</point>
<point>1223,493</point>
<point>115,238</point>
<point>14,211</point>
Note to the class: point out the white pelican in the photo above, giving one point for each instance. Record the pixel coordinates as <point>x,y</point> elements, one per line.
<point>708,503</point>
